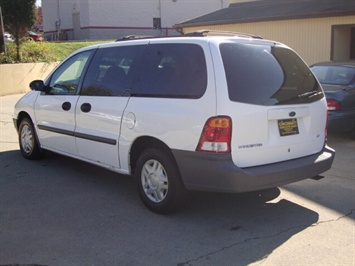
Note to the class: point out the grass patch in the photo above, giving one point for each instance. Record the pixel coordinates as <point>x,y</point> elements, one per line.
<point>62,50</point>
<point>33,52</point>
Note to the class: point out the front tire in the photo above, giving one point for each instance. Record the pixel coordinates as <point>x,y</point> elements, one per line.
<point>158,181</point>
<point>29,146</point>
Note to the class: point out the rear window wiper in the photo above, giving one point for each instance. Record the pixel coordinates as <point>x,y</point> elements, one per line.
<point>308,94</point>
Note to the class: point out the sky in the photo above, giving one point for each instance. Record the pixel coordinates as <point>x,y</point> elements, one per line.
<point>39,3</point>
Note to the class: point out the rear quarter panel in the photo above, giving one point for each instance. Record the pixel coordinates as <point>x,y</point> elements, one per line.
<point>177,122</point>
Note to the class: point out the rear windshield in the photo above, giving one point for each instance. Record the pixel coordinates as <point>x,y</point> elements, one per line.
<point>267,75</point>
<point>334,75</point>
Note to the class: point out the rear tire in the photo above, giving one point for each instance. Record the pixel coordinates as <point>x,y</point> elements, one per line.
<point>29,145</point>
<point>158,181</point>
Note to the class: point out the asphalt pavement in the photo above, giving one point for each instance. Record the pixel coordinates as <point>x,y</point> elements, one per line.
<point>61,211</point>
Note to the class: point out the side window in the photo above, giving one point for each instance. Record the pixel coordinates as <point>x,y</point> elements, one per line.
<point>111,71</point>
<point>172,71</point>
<point>65,79</point>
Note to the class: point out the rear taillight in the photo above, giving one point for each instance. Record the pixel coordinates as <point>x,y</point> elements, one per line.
<point>333,105</point>
<point>216,135</point>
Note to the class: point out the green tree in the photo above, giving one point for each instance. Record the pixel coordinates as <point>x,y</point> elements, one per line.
<point>18,18</point>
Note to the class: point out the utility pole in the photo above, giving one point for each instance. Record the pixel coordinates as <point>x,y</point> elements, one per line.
<point>2,30</point>
<point>58,23</point>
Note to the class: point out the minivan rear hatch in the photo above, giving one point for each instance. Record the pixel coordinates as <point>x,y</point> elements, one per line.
<point>277,107</point>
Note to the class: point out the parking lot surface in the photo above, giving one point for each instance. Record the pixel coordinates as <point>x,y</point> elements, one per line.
<point>61,211</point>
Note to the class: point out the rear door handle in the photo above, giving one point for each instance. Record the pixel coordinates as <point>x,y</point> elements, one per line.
<point>85,107</point>
<point>66,106</point>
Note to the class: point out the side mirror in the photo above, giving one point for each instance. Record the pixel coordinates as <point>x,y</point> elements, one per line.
<point>37,85</point>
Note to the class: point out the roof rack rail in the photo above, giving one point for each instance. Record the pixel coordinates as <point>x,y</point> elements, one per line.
<point>133,37</point>
<point>221,33</point>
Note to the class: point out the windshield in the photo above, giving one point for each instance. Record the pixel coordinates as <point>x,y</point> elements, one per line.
<point>267,75</point>
<point>334,75</point>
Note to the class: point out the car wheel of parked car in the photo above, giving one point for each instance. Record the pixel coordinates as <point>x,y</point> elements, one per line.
<point>158,181</point>
<point>29,146</point>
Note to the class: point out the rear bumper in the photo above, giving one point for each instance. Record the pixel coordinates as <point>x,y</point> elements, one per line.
<point>217,172</point>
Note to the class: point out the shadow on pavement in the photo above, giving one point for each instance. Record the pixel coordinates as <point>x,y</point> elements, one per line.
<point>61,211</point>
<point>336,190</point>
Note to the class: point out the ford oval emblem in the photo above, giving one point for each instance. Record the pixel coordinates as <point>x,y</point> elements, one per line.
<point>292,114</point>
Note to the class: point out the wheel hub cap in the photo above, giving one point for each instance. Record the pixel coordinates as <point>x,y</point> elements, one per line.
<point>26,139</point>
<point>154,181</point>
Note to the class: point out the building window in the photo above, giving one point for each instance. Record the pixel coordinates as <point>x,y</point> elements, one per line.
<point>157,23</point>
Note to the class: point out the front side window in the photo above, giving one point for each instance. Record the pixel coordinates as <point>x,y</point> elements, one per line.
<point>267,75</point>
<point>172,71</point>
<point>65,79</point>
<point>111,71</point>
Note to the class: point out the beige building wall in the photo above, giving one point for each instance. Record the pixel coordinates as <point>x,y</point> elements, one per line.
<point>311,38</point>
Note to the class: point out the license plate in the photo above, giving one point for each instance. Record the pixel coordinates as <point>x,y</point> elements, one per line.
<point>288,127</point>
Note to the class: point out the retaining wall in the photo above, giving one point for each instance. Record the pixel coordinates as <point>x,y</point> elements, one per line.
<point>15,78</point>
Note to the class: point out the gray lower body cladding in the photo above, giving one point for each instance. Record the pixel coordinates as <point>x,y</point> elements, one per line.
<point>217,172</point>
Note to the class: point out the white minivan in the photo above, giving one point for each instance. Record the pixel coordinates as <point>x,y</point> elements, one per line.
<point>195,112</point>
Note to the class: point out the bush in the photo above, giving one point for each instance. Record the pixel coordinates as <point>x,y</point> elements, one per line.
<point>33,52</point>
<point>30,52</point>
